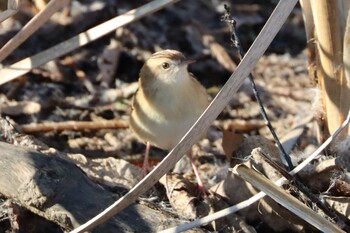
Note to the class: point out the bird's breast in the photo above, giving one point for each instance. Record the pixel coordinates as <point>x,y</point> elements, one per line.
<point>164,117</point>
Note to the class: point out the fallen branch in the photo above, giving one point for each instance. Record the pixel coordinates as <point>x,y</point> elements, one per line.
<point>59,191</point>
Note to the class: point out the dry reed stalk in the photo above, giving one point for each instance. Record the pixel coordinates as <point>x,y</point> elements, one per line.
<point>309,29</point>
<point>329,27</point>
<point>346,46</point>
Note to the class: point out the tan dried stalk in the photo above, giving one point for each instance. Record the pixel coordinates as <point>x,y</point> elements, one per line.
<point>310,40</point>
<point>329,31</point>
<point>346,45</point>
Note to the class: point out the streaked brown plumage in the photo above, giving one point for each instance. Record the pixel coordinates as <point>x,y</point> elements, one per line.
<point>169,100</point>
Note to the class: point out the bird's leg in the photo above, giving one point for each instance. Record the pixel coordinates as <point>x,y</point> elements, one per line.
<point>195,170</point>
<point>145,166</point>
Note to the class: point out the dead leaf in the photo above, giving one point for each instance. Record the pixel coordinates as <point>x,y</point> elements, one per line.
<point>231,142</point>
<point>183,196</point>
<point>219,53</point>
<point>185,199</point>
<point>318,175</point>
<point>339,204</point>
<point>342,188</point>
<point>108,63</point>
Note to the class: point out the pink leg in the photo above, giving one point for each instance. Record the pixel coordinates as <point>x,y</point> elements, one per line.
<point>145,166</point>
<point>195,170</point>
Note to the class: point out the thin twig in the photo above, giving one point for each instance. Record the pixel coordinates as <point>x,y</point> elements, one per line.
<point>257,197</point>
<point>236,42</point>
<point>275,165</point>
<point>73,125</point>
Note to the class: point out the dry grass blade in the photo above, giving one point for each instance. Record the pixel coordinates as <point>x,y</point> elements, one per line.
<point>24,66</point>
<point>285,199</point>
<point>12,8</point>
<point>258,48</point>
<point>33,25</point>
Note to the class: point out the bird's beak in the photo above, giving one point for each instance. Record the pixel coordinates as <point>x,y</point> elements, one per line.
<point>187,62</point>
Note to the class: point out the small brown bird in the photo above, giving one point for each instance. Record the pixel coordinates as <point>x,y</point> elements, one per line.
<point>168,102</point>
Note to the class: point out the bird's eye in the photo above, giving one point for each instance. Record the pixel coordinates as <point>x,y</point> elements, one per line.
<point>165,65</point>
